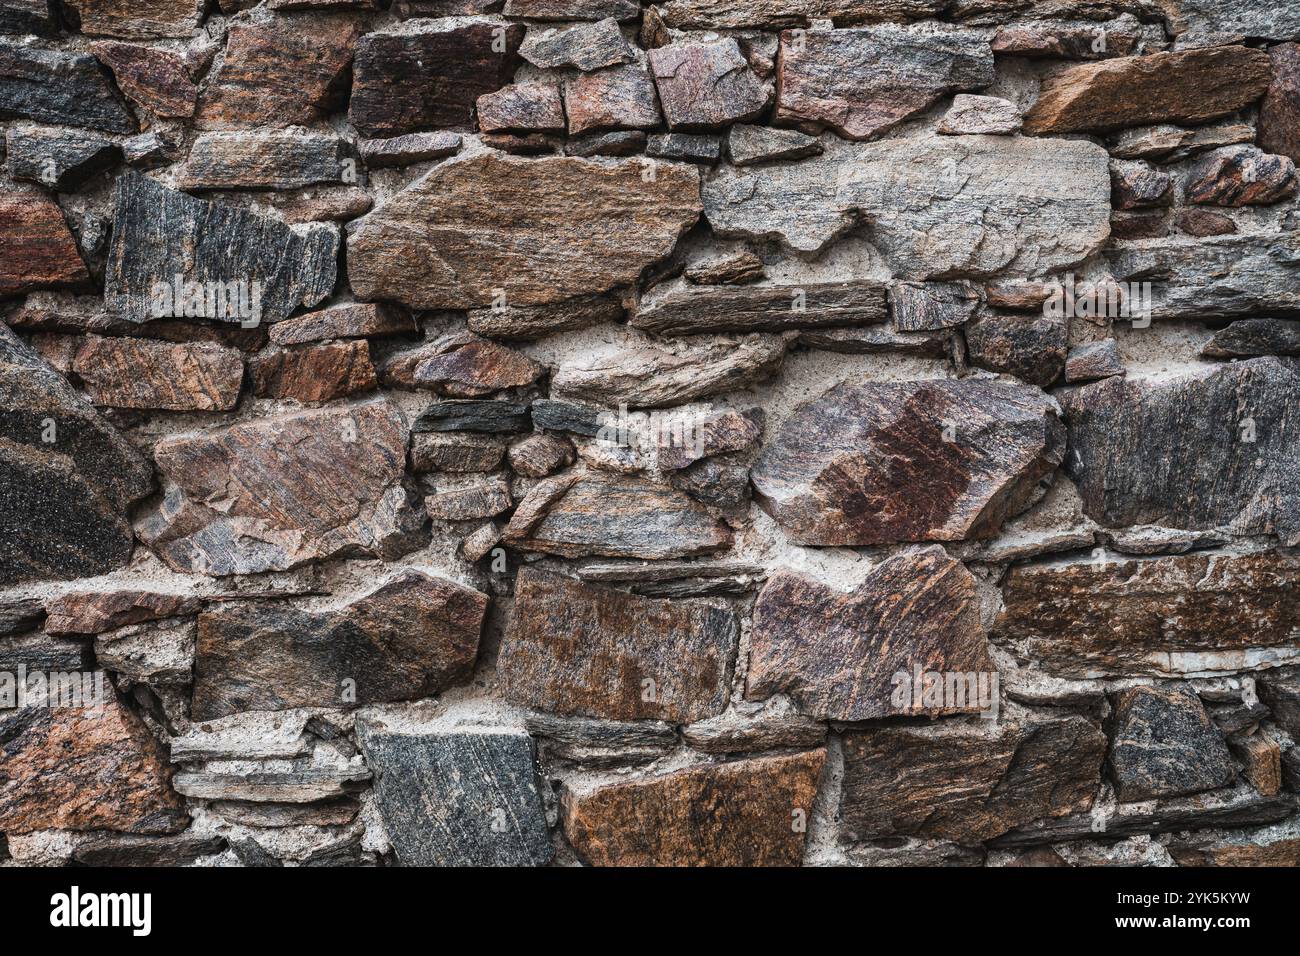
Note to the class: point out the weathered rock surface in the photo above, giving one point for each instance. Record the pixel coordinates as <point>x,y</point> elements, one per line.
<point>171,851</point>
<point>928,306</point>
<point>472,416</point>
<point>706,85</point>
<point>70,477</point>
<point>1241,176</point>
<point>1273,846</point>
<point>300,786</point>
<point>572,9</point>
<point>1169,144</point>
<point>1085,619</point>
<point>539,455</point>
<point>409,639</point>
<point>522,107</point>
<point>739,269</point>
<point>59,159</point>
<point>156,653</point>
<point>1163,744</point>
<point>916,461</point>
<point>1135,185</point>
<point>139,373</point>
<point>539,321</point>
<point>37,250</point>
<point>458,797</point>
<point>480,499</point>
<point>409,149</point>
<point>138,18</point>
<point>729,814</point>
<point>1208,450</point>
<point>353,320</point>
<point>968,782</point>
<point>772,14</point>
<point>749,145</point>
<point>1070,41</point>
<point>50,86</point>
<point>456,452</point>
<point>937,206</point>
<point>461,365</point>
<point>839,654</point>
<point>691,310</point>
<point>1187,87</point>
<point>621,97</point>
<point>585,46</point>
<point>274,493</point>
<point>1095,360</point>
<point>703,148</point>
<point>288,159</point>
<point>458,238</point>
<point>315,373</point>
<point>981,115</point>
<point>153,78</point>
<point>863,82</point>
<point>1279,113</point>
<point>38,17</point>
<point>1033,349</point>
<point>1269,19</point>
<point>577,649</point>
<point>1247,338</point>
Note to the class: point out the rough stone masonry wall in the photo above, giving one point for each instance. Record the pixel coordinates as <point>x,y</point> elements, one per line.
<point>553,431</point>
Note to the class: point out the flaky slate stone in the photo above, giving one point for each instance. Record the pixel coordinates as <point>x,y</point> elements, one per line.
<point>429,77</point>
<point>314,373</point>
<point>718,482</point>
<point>929,306</point>
<point>626,142</point>
<point>585,46</point>
<point>456,452</point>
<point>572,9</point>
<point>38,17</point>
<point>706,85</point>
<point>1089,618</point>
<point>1279,113</point>
<point>37,250</point>
<point>159,233</point>
<point>711,433</point>
<point>1271,846</point>
<point>409,149</point>
<point>68,768</point>
<point>1135,185</point>
<point>1163,744</point>
<point>743,813</point>
<point>348,321</point>
<point>1247,338</point>
<point>1240,176</point>
<point>610,516</point>
<point>1266,19</point>
<point>649,375</point>
<point>578,649</point>
<point>539,321</point>
<point>748,145</point>
<point>700,148</point>
<point>739,269</point>
<point>158,654</point>
<point>621,97</point>
<point>136,19</point>
<point>967,782</point>
<point>863,82</point>
<point>474,416</point>
<point>20,614</point>
<point>298,786</point>
<point>1095,360</point>
<point>540,455</point>
<point>461,365</point>
<point>690,310</point>
<point>131,851</point>
<point>482,498</point>
<point>1032,348</point>
<point>407,640</point>
<point>1261,761</point>
<point>1207,450</point>
<point>274,493</point>
<point>1166,143</point>
<point>522,107</point>
<point>536,231</point>
<point>268,159</point>
<point>51,86</point>
<point>152,77</point>
<point>280,71</point>
<point>568,417</point>
<point>870,464</point>
<point>144,374</point>
<point>838,654</point>
<point>1187,87</point>
<point>64,511</point>
<point>775,14</point>
<point>39,652</point>
<point>1022,205</point>
<point>458,797</point>
<point>59,159</point>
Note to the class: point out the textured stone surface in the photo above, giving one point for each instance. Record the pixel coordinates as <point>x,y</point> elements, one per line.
<point>138,18</point>
<point>315,373</point>
<point>981,115</point>
<point>706,85</point>
<point>590,226</point>
<point>1279,113</point>
<point>151,77</point>
<point>1163,744</point>
<point>406,150</point>
<point>731,814</point>
<point>472,416</point>
<point>58,159</point>
<point>1032,348</point>
<point>37,250</point>
<point>461,365</point>
<point>481,499</point>
<point>1251,337</point>
<point>406,640</point>
<point>749,145</point>
<point>585,46</point>
<point>1168,144</point>
<point>769,308</point>
<point>522,107</point>
<point>456,452</point>
<point>50,86</point>
<point>267,160</point>
<point>739,269</point>
<point>839,654</point>
<point>1240,176</point>
<point>573,9</point>
<point>539,455</point>
<point>138,373</point>
<point>845,468</point>
<point>1093,361</point>
<point>1135,185</point>
<point>714,14</point>
<point>622,97</point>
<point>353,320</point>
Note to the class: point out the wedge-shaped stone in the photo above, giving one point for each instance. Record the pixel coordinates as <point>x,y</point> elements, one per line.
<point>58,159</point>
<point>863,82</point>
<point>577,649</point>
<point>289,159</point>
<point>1247,338</point>
<point>51,86</point>
<point>967,782</point>
<point>151,77</point>
<point>768,308</point>
<point>911,461</point>
<point>727,814</point>
<point>840,655</point>
<point>349,321</point>
<point>461,365</point>
<point>1163,744</point>
<point>606,516</point>
<point>93,612</point>
<point>70,478</point>
<point>1118,618</point>
<point>936,206</point>
<point>706,85</point>
<point>159,233</point>
<point>274,493</point>
<point>140,373</point>
<point>37,250</point>
<point>137,18</point>
<point>534,230</point>
<point>407,640</point>
<point>458,796</point>
<point>1211,450</point>
<point>430,76</point>
<point>1187,87</point>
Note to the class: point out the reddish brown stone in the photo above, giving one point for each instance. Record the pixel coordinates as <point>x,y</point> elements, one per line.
<point>94,612</point>
<point>37,250</point>
<point>1134,185</point>
<point>1262,759</point>
<point>137,18</point>
<point>316,373</point>
<point>745,813</point>
<point>1279,114</point>
<point>1241,176</point>
<point>706,85</point>
<point>1065,41</point>
<point>461,365</point>
<point>141,373</point>
<point>526,107</point>
<point>539,455</point>
<point>456,452</point>
<point>1252,848</point>
<point>353,320</point>
<point>1205,222</point>
<point>622,97</point>
<point>483,499</point>
<point>150,77</point>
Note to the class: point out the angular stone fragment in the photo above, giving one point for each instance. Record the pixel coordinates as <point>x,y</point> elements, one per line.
<point>1266,19</point>
<point>350,321</point>
<point>280,71</point>
<point>304,206</point>
<point>706,85</point>
<point>1170,144</point>
<point>333,813</point>
<point>1240,176</point>
<point>20,614</point>
<point>736,733</point>
<point>151,77</point>
<point>718,482</point>
<point>156,654</point>
<point>1117,618</point>
<point>775,14</point>
<point>981,115</point>
<point>1068,41</point>
<point>539,321</point>
<point>540,455</point>
<point>316,373</point>
<point>274,159</point>
<point>1016,205</point>
<point>690,309</point>
<point>168,851</point>
<point>616,143</point>
<point>525,107</point>
<point>483,499</point>
<point>301,786</point>
<point>1275,846</point>
<point>927,306</point>
<point>573,9</point>
<point>602,743</point>
<point>863,82</point>
<point>573,648</point>
<point>51,86</point>
<point>1187,87</point>
<point>39,17</point>
<point>71,768</point>
<point>607,516</point>
<point>840,655</point>
<point>409,149</point>
<point>707,435</point>
<point>1212,449</point>
<point>586,46</point>
<point>1163,744</point>
<point>159,233</point>
<point>70,478</point>
<point>651,376</point>
<point>458,796</point>
<point>910,461</point>
<point>1279,113</point>
<point>568,417</point>
<point>1135,185</point>
<point>726,814</point>
<point>1282,695</point>
<point>524,144</point>
<point>275,493</point>
<point>38,653</point>
<point>457,453</point>
<point>748,145</point>
<point>1032,349</point>
<point>431,76</point>
<point>621,97</point>
<point>539,231</point>
<point>1093,361</point>
<point>411,638</point>
<point>37,250</point>
<point>968,782</point>
<point>691,147</point>
<point>139,373</point>
<point>151,150</point>
<point>1261,759</point>
<point>59,159</point>
<point>742,268</point>
<point>1247,338</point>
<point>1204,222</point>
<point>487,416</point>
<point>461,365</point>
<point>875,339</point>
<point>137,18</point>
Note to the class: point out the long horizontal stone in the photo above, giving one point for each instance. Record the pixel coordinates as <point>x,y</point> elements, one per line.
<point>139,373</point>
<point>767,308</point>
<point>60,160</point>
<point>137,18</point>
<point>51,86</point>
<point>268,159</point>
<point>93,612</point>
<point>301,786</point>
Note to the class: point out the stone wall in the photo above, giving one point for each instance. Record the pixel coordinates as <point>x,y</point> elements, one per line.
<point>711,432</point>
